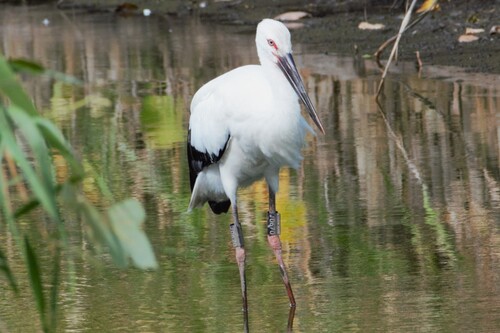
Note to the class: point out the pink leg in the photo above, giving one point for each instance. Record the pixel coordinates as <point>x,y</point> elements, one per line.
<point>237,237</point>
<point>273,238</point>
<point>275,244</point>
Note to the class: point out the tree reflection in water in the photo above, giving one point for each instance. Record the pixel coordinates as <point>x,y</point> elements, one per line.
<point>391,251</point>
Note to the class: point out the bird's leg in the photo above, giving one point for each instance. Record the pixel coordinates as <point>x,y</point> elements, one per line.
<point>237,238</point>
<point>273,238</point>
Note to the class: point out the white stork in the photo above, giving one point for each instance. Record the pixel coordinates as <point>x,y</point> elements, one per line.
<point>244,126</point>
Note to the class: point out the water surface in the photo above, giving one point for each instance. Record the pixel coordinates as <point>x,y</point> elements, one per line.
<point>391,225</point>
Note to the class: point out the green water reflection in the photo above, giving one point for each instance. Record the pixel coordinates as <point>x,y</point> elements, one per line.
<point>391,224</point>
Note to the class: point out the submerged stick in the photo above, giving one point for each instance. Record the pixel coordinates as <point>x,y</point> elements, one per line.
<point>419,61</point>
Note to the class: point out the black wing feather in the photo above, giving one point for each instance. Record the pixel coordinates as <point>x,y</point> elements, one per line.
<point>197,161</point>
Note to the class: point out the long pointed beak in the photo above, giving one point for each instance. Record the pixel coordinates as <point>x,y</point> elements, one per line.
<point>287,66</point>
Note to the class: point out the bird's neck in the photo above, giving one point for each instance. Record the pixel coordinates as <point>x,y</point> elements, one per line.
<point>278,80</point>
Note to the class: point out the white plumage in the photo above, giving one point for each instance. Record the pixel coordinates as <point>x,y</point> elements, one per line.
<point>245,125</point>
<point>265,126</point>
<point>257,108</point>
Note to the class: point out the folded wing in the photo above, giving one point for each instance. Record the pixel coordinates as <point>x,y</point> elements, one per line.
<point>208,137</point>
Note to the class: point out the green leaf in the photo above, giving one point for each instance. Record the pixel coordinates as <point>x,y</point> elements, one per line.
<point>4,267</point>
<point>34,203</point>
<point>5,203</point>
<point>27,66</point>
<point>27,126</point>
<point>33,68</point>
<point>36,281</point>
<point>54,137</point>
<point>10,144</point>
<point>103,233</point>
<point>127,218</point>
<point>100,231</point>
<point>40,185</point>
<point>10,87</point>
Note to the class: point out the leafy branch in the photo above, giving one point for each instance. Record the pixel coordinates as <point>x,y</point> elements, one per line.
<point>28,144</point>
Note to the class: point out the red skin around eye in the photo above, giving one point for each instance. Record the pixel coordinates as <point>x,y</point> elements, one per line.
<point>273,44</point>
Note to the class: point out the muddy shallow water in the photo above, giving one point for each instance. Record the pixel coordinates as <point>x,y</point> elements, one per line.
<point>391,224</point>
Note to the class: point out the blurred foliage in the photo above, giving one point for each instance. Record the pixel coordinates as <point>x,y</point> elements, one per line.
<point>31,148</point>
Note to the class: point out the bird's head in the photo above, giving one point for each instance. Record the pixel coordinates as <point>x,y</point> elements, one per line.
<point>273,40</point>
<point>274,48</point>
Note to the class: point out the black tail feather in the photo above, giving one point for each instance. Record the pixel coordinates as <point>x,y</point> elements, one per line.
<point>219,207</point>
<point>197,161</point>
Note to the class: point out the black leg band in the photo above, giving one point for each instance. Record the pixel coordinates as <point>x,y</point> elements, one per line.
<point>236,235</point>
<point>273,224</point>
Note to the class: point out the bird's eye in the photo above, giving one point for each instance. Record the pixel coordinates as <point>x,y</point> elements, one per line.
<point>272,43</point>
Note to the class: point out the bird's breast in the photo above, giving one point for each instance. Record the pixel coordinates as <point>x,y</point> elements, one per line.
<point>261,113</point>
<point>275,137</point>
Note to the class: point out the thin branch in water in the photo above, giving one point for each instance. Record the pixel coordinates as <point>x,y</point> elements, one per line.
<point>399,144</point>
<point>381,48</point>
<point>419,61</point>
<point>402,29</point>
<point>385,44</point>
